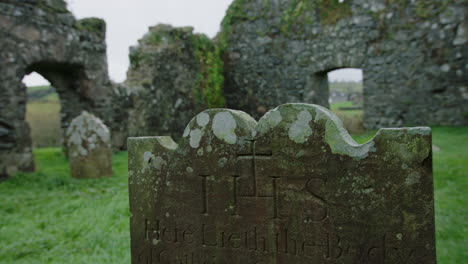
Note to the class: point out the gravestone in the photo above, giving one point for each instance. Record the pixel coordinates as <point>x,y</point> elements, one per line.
<point>89,147</point>
<point>294,188</point>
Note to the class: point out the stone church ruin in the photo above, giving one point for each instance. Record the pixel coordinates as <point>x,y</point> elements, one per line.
<point>412,53</point>
<point>174,74</point>
<point>44,37</point>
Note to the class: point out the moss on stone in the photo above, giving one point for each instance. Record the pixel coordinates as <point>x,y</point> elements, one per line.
<point>154,38</point>
<point>330,11</point>
<point>429,8</point>
<point>298,14</point>
<point>54,6</point>
<point>196,51</point>
<point>91,25</point>
<point>135,58</point>
<point>208,90</point>
<point>422,8</point>
<point>235,13</point>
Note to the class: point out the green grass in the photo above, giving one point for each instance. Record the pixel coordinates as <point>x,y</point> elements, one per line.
<point>451,185</point>
<point>52,98</point>
<point>42,94</point>
<point>43,116</point>
<point>44,120</point>
<point>38,88</point>
<point>335,107</point>
<point>48,217</point>
<point>345,87</point>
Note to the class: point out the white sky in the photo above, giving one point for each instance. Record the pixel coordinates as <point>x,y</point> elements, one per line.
<point>128,20</point>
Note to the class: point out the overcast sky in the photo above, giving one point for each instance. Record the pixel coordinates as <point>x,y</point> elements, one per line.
<point>128,20</point>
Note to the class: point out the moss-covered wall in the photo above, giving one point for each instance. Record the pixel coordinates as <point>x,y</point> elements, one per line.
<point>412,54</point>
<point>177,73</point>
<point>92,25</point>
<point>54,6</point>
<point>43,36</point>
<point>208,88</point>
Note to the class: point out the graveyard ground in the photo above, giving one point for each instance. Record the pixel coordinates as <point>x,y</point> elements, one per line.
<point>47,217</point>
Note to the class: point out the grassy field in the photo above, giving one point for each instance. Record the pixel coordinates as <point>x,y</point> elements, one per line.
<point>43,117</point>
<point>47,217</point>
<point>345,87</point>
<point>44,120</point>
<point>38,88</point>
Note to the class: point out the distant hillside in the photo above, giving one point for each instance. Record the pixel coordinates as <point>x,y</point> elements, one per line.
<point>45,93</point>
<point>345,87</point>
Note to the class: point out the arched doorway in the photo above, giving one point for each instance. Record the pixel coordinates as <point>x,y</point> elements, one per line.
<point>42,37</point>
<point>74,93</point>
<point>42,111</point>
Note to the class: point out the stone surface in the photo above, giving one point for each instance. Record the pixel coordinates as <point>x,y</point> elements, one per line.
<point>413,55</point>
<point>294,188</point>
<point>43,36</point>
<point>174,74</point>
<point>89,147</point>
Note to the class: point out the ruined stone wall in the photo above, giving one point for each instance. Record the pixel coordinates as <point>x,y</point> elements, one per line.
<point>174,74</point>
<point>413,55</point>
<point>43,36</point>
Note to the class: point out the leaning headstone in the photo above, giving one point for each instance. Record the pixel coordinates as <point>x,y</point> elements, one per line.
<point>89,147</point>
<point>293,189</point>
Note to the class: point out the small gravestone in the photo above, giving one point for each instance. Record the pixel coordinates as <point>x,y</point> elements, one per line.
<point>89,147</point>
<point>293,189</point>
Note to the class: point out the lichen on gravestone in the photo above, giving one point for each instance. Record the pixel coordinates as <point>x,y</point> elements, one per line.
<point>89,147</point>
<point>292,188</point>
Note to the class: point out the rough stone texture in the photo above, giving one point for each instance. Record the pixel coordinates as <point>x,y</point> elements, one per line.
<point>174,74</point>
<point>294,188</point>
<point>123,99</point>
<point>413,55</point>
<point>89,146</point>
<point>42,36</point>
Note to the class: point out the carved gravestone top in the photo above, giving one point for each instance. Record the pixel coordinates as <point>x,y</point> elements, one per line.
<point>294,188</point>
<point>89,147</point>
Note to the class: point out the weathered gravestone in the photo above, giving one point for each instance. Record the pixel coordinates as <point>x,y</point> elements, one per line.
<point>294,188</point>
<point>89,147</point>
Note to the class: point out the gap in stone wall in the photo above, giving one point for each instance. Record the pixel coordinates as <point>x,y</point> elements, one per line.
<point>344,83</point>
<point>346,99</point>
<point>42,111</point>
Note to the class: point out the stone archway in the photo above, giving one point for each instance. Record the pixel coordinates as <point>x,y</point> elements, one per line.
<point>43,36</point>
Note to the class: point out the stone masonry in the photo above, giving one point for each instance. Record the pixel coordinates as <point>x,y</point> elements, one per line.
<point>43,36</point>
<point>174,74</point>
<point>413,55</point>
